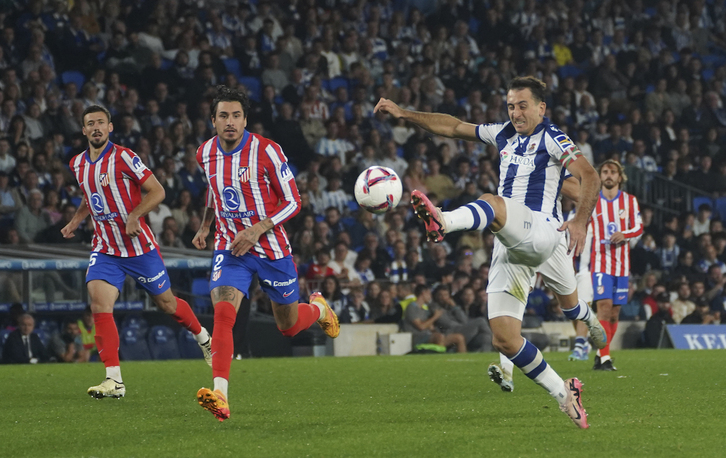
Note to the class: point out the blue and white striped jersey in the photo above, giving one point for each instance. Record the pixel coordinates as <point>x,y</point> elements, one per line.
<point>531,169</point>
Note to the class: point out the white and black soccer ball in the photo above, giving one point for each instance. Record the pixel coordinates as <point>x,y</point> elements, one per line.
<point>378,189</point>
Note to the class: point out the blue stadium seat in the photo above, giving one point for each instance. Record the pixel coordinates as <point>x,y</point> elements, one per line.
<point>162,343</point>
<point>188,347</point>
<point>698,201</point>
<point>707,74</point>
<point>136,322</point>
<point>44,336</point>
<point>569,70</point>
<point>338,81</point>
<point>721,208</point>
<point>233,66</point>
<point>253,85</point>
<point>133,346</point>
<point>474,25</point>
<point>73,76</point>
<point>200,291</point>
<point>4,333</point>
<point>48,325</point>
<point>353,206</point>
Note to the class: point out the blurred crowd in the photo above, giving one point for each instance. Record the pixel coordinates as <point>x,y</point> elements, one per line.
<point>639,81</point>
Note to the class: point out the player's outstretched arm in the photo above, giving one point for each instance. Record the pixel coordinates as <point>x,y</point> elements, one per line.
<point>437,123</point>
<point>589,189</point>
<point>81,213</point>
<point>154,196</point>
<point>200,239</point>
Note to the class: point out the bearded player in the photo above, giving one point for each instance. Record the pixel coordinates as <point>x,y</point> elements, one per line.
<point>615,222</point>
<point>112,178</point>
<point>251,193</point>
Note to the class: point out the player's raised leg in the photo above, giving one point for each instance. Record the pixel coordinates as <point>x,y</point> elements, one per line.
<point>180,310</point>
<point>103,295</point>
<point>507,330</point>
<point>488,210</point>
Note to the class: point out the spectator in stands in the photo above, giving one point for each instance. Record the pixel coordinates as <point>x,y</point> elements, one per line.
<point>10,200</point>
<point>476,331</point>
<point>420,318</point>
<point>30,219</point>
<point>703,220</point>
<point>682,305</point>
<point>330,287</point>
<point>23,346</point>
<point>702,314</point>
<point>654,328</point>
<point>356,309</point>
<point>66,345</point>
<point>343,268</point>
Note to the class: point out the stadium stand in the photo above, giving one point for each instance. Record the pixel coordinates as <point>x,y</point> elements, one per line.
<point>163,343</point>
<point>603,74</point>
<point>133,346</point>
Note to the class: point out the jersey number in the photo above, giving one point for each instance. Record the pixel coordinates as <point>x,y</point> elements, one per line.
<point>92,260</point>
<point>218,262</point>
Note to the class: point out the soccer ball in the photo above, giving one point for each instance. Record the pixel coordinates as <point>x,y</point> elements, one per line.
<point>378,189</point>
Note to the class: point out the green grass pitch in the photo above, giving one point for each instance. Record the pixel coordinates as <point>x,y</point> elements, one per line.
<point>659,403</point>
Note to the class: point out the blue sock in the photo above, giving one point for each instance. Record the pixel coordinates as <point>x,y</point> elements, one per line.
<point>580,343</point>
<point>529,359</point>
<point>473,216</point>
<point>579,312</point>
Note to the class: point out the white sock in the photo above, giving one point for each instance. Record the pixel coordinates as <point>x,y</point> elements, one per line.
<point>114,372</point>
<point>506,365</point>
<point>476,215</point>
<point>221,384</point>
<point>604,358</point>
<point>553,383</point>
<point>203,336</point>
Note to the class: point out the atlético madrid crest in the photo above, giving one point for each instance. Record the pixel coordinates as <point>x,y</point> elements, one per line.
<point>244,174</point>
<point>104,179</point>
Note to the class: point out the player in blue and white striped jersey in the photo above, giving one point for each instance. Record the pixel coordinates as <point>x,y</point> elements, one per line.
<point>527,220</point>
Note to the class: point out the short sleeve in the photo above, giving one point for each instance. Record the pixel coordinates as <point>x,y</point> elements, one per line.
<point>487,133</point>
<point>133,167</point>
<point>561,147</point>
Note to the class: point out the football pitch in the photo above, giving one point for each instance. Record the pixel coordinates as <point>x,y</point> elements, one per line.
<point>659,403</point>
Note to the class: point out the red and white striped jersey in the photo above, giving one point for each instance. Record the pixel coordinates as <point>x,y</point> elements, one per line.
<point>248,185</point>
<point>112,186</point>
<point>621,214</point>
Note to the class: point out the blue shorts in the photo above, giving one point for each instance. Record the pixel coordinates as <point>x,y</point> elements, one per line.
<point>606,286</point>
<point>278,277</point>
<point>148,270</point>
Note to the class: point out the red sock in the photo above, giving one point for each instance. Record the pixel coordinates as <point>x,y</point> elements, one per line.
<point>185,317</point>
<point>222,340</point>
<point>307,314</point>
<point>107,340</point>
<point>606,351</point>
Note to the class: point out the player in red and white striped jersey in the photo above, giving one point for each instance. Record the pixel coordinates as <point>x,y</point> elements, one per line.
<point>111,178</point>
<point>615,222</point>
<point>251,193</point>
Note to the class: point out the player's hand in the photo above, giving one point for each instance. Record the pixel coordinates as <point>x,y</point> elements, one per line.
<point>200,239</point>
<point>617,238</point>
<point>245,240</point>
<point>578,233</point>
<point>133,227</point>
<point>69,229</point>
<point>386,106</point>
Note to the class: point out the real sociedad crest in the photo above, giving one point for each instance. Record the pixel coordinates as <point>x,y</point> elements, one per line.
<point>244,174</point>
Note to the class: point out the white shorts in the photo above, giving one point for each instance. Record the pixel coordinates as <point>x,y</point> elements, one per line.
<point>558,271</point>
<point>526,241</point>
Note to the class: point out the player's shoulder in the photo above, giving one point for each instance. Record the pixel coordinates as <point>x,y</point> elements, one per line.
<point>78,159</point>
<point>264,142</point>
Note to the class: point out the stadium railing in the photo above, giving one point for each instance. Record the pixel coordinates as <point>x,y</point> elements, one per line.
<point>58,285</point>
